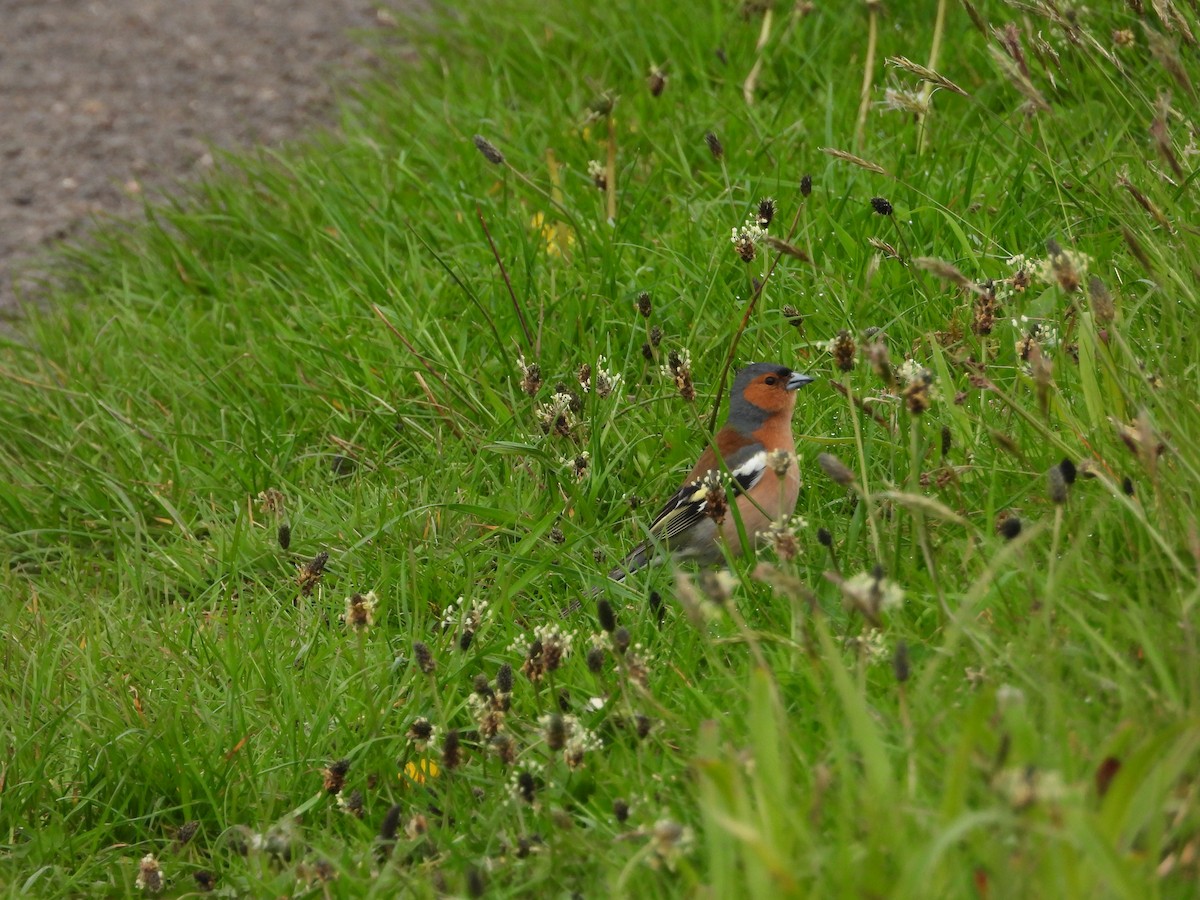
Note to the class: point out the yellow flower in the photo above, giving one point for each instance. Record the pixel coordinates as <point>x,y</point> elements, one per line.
<point>417,771</point>
<point>558,237</point>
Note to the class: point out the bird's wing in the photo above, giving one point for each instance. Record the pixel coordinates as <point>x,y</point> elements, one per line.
<point>687,507</point>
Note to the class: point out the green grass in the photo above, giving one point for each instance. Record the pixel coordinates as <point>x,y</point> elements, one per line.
<point>333,324</point>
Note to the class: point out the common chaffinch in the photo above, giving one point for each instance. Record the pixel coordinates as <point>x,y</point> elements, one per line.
<point>756,447</point>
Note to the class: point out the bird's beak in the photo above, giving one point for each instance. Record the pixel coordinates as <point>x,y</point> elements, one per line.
<point>798,380</point>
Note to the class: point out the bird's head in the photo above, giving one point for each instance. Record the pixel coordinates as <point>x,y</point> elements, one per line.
<point>762,390</point>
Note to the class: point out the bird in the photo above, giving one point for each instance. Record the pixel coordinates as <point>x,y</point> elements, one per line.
<point>756,447</point>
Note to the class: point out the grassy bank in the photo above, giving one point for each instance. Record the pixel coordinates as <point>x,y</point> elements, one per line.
<point>968,667</point>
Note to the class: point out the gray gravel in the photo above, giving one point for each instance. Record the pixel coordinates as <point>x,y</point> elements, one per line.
<point>104,102</point>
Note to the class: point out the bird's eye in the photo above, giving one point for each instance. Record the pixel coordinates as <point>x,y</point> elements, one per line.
<point>770,379</point>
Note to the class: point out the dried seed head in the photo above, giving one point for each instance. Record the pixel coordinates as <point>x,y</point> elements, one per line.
<point>985,309</point>
<point>786,249</point>
<point>580,466</point>
<point>150,876</point>
<point>352,804</point>
<point>554,731</point>
<point>390,824</point>
<point>205,880</point>
<point>843,349</point>
<point>606,616</point>
<point>279,841</point>
<point>317,872</point>
<point>605,381</point>
<point>360,612</point>
<point>916,393</point>
<point>670,842</point>
<point>780,461</point>
<point>186,832</point>
<point>824,538</point>
<point>534,666</point>
<point>643,724</point>
<point>424,657</point>
<point>476,882</point>
<point>488,149</point>
<point>714,145</point>
<point>284,535</point>
<point>656,606</point>
<point>805,185</point>
<point>505,748</point>
<point>781,536</point>
<point>744,245</point>
<point>715,503</point>
<point>1063,266</point>
<point>1025,786</point>
<point>837,471</point>
<point>557,416</point>
<point>416,826</point>
<point>598,174</point>
<point>718,585</point>
<point>555,646</point>
<point>1069,472</point>
<point>572,399</point>
<point>691,601</point>
<point>643,304</point>
<point>854,160</point>
<point>869,593</point>
<point>1127,486</point>
<point>877,353</point>
<point>335,776</point>
<point>479,684</point>
<point>451,751</point>
<point>766,212</point>
<point>942,269</point>
<point>601,106</point>
<point>884,247</point>
<point>900,662</point>
<point>272,501</point>
<point>504,679</point>
<point>913,102</point>
<point>793,316</point>
<point>656,81</point>
<point>679,370</point>
<point>531,376</point>
<point>420,731</point>
<point>556,536</point>
<point>647,352</point>
<point>595,660</point>
<point>882,206</point>
<point>526,788</point>
<point>1102,301</point>
<point>1056,485</point>
<point>926,74</point>
<point>656,335</point>
<point>620,640</point>
<point>311,572</point>
<point>620,810</point>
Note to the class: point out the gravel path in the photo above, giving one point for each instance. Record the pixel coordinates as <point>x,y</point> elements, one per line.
<point>104,101</point>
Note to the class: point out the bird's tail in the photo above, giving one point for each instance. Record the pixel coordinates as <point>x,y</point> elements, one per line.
<point>637,558</point>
